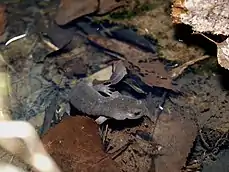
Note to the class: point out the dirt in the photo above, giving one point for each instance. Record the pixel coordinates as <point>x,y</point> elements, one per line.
<point>204,96</point>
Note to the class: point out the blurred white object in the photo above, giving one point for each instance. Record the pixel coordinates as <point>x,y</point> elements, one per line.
<point>9,168</point>
<point>12,132</point>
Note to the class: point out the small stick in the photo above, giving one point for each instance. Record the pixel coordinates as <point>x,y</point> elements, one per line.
<point>208,38</point>
<point>179,70</point>
<point>15,39</point>
<point>105,134</point>
<point>50,45</point>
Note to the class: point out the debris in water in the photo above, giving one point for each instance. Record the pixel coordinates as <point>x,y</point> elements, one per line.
<point>144,64</point>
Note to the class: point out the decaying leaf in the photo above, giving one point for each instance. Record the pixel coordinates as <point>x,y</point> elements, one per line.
<point>102,75</point>
<point>144,64</point>
<point>119,71</point>
<point>109,5</point>
<point>72,9</point>
<point>59,36</point>
<point>222,52</point>
<point>75,145</point>
<point>134,85</point>
<point>203,15</point>
<point>176,136</point>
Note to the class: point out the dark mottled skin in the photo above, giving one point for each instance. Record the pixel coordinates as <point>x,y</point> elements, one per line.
<point>87,100</point>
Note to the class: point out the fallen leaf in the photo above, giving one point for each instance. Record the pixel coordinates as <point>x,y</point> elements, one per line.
<point>119,71</point>
<point>106,6</point>
<point>59,36</point>
<point>130,36</point>
<point>144,64</point>
<point>75,145</point>
<point>72,9</point>
<point>176,136</point>
<point>2,18</point>
<point>223,53</point>
<point>102,75</point>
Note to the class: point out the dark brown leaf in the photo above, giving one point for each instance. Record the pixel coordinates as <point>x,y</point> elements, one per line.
<point>119,71</point>
<point>72,9</point>
<point>176,136</point>
<point>60,37</point>
<point>76,146</point>
<point>109,5</point>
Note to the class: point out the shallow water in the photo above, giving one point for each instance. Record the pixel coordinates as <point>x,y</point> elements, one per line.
<point>37,79</point>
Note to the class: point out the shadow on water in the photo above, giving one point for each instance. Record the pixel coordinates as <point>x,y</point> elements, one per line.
<point>224,73</point>
<point>185,33</point>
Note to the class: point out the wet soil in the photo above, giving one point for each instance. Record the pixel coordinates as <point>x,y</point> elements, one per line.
<point>204,95</point>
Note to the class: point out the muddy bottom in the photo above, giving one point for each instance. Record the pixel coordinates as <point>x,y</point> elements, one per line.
<point>204,98</point>
<point>164,144</point>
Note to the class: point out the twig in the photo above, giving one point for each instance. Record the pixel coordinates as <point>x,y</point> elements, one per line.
<point>105,133</point>
<point>179,70</point>
<point>50,45</point>
<point>203,141</point>
<point>121,150</point>
<point>11,159</point>
<point>114,156</point>
<point>15,39</point>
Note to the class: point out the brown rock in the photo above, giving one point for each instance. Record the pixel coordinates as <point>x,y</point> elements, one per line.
<point>2,18</point>
<point>76,146</point>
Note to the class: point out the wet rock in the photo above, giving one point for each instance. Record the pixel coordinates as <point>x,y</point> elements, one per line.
<point>76,146</point>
